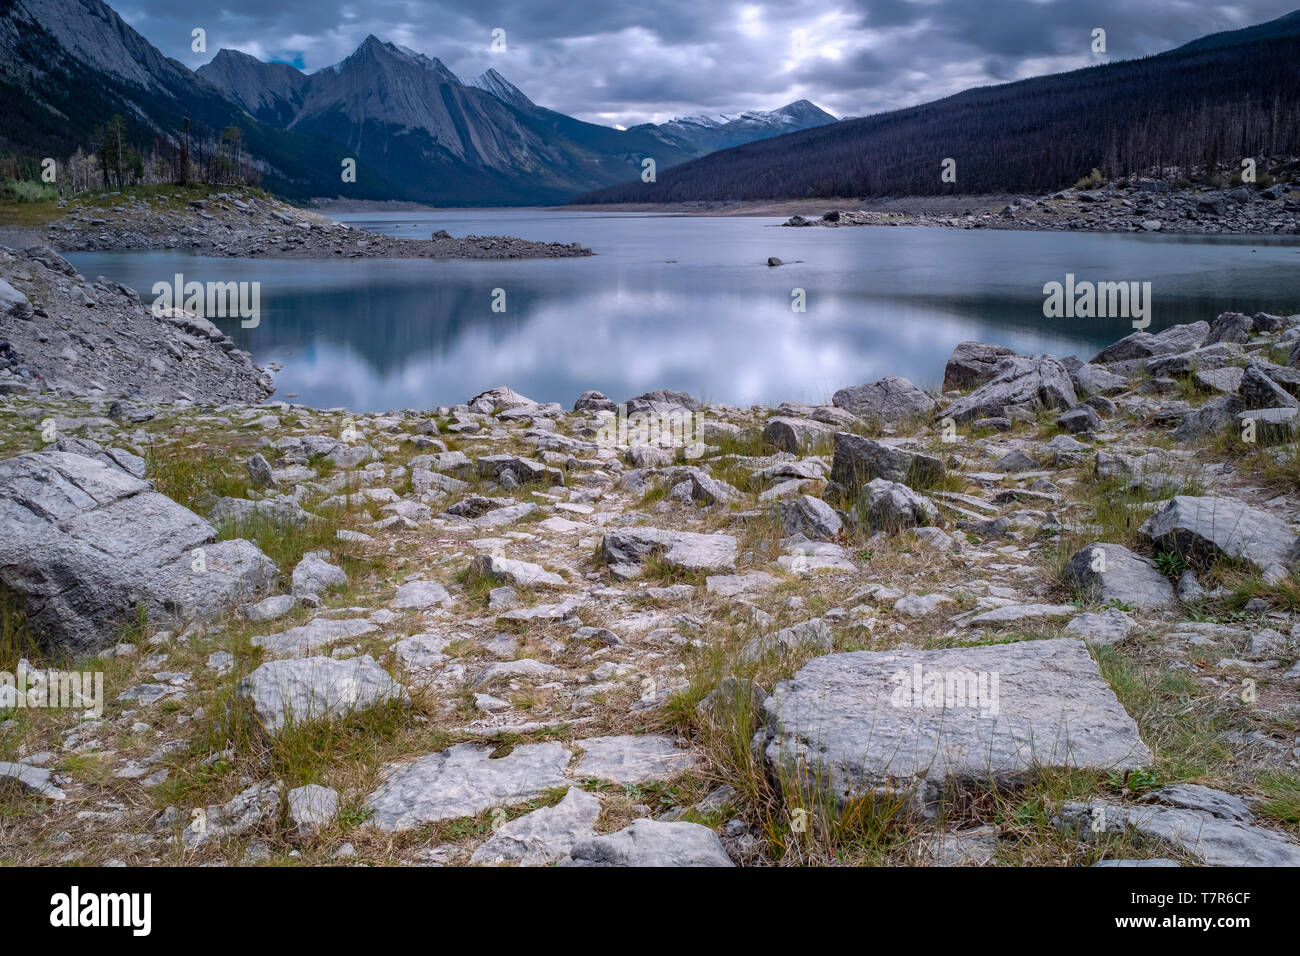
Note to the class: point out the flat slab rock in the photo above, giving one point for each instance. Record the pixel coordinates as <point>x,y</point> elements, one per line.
<point>313,636</point>
<point>84,543</point>
<point>463,781</point>
<point>687,550</point>
<point>632,758</point>
<point>854,721</point>
<point>652,843</point>
<point>544,836</point>
<point>309,689</point>
<point>1216,840</point>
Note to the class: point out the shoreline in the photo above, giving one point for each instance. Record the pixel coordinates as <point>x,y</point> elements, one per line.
<point>507,573</point>
<point>238,224</point>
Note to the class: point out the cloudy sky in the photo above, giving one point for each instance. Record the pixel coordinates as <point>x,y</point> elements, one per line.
<point>633,61</point>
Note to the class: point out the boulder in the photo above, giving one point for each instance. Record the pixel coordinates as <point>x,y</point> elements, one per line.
<point>890,506</point>
<point>889,401</point>
<point>542,837</point>
<point>1111,572</point>
<point>1273,426</point>
<point>510,571</point>
<point>859,460</point>
<point>662,400</point>
<point>1204,529</point>
<point>315,575</point>
<point>1210,419</point>
<point>809,516</point>
<point>1144,345</point>
<point>972,364</point>
<point>1080,419</point>
<point>1033,382</point>
<point>795,435</point>
<point>1095,380</point>
<point>593,401</point>
<point>14,303</point>
<point>1258,390</point>
<point>312,808</point>
<point>686,550</point>
<point>1230,327</point>
<point>85,544</point>
<point>1106,627</point>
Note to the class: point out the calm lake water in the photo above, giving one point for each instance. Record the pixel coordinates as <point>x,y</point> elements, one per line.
<point>716,321</point>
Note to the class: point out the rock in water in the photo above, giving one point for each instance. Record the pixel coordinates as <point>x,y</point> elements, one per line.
<point>84,544</point>
<point>848,724</point>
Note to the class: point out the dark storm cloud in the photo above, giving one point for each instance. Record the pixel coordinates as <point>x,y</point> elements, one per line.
<point>631,61</point>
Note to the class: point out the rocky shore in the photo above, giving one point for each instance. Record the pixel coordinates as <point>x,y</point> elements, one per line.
<point>243,225</point>
<point>1138,205</point>
<point>1049,616</point>
<point>62,333</point>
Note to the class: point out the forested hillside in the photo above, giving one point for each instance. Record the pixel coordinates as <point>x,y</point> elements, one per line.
<point>1210,103</point>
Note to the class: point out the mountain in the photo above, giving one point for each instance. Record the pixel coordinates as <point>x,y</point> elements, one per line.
<point>272,92</point>
<point>416,123</point>
<point>66,66</point>
<point>1212,101</point>
<point>709,133</point>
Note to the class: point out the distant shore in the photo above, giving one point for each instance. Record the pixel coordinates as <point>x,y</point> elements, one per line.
<point>235,223</point>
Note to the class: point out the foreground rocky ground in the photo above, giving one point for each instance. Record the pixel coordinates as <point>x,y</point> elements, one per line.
<point>1138,205</point>
<point>242,224</point>
<point>1049,617</point>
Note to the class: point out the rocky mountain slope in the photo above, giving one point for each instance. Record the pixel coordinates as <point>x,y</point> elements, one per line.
<point>1049,617</point>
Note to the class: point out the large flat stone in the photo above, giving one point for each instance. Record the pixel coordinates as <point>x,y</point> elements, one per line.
<point>632,758</point>
<point>1216,841</point>
<point>304,690</point>
<point>462,781</point>
<point>849,723</point>
<point>544,836</point>
<point>686,550</point>
<point>652,843</point>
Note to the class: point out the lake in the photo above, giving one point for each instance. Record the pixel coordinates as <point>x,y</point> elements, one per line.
<point>689,303</point>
